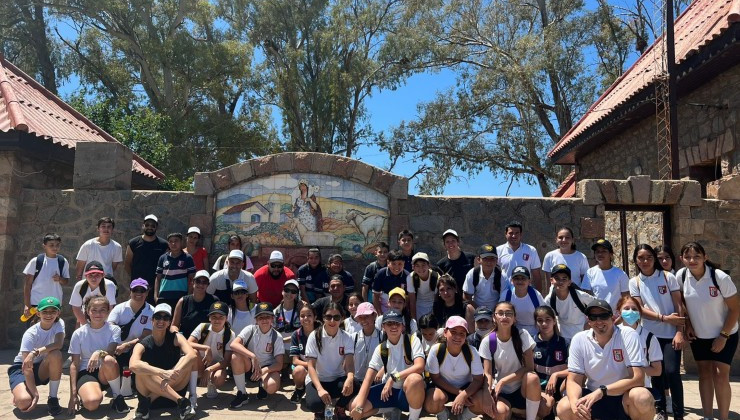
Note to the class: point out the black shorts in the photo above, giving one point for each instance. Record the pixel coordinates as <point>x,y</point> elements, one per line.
<point>557,395</point>
<point>609,407</point>
<point>515,399</point>
<point>702,349</point>
<point>16,376</point>
<point>450,397</point>
<point>85,376</point>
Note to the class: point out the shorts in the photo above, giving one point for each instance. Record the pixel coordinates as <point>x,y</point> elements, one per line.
<point>85,376</point>
<point>557,394</point>
<point>702,349</point>
<point>450,397</point>
<point>515,399</point>
<point>396,400</point>
<point>609,407</point>
<point>16,376</point>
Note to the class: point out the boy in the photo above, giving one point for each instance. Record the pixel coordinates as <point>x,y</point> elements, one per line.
<point>568,303</point>
<point>524,298</point>
<point>102,249</point>
<point>381,261</point>
<point>45,275</point>
<point>175,272</point>
<point>483,326</point>
<point>212,340</point>
<point>387,279</point>
<point>406,246</point>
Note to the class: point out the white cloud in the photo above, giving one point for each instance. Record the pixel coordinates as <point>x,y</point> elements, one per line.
<point>333,183</point>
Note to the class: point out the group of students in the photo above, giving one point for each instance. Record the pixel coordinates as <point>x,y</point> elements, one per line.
<point>411,346</point>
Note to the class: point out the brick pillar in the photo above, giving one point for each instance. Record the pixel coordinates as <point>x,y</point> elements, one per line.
<point>10,191</point>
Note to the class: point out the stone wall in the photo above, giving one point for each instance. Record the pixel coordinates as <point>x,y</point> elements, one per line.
<point>643,227</point>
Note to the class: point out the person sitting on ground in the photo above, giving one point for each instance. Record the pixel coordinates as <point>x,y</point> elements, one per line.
<point>192,310</point>
<point>212,340</point>
<point>298,341</point>
<point>550,358</point>
<point>94,284</point>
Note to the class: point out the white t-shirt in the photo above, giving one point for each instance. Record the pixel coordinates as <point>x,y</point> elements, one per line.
<point>247,263</point>
<point>215,341</point>
<point>570,319</point>
<point>364,347</point>
<point>44,286</point>
<point>85,341</point>
<point>505,359</point>
<point>424,296</point>
<point>655,292</point>
<point>36,337</point>
<point>485,294</point>
<point>219,278</point>
<point>604,366</point>
<point>577,262</point>
<point>122,314</point>
<point>607,285</point>
<point>414,326</point>
<point>262,344</point>
<point>705,304</point>
<point>241,319</point>
<point>455,369</point>
<point>92,250</point>
<point>525,309</point>
<point>110,292</point>
<point>396,362</point>
<point>330,362</point>
<point>508,259</point>
<point>351,326</point>
<point>654,354</point>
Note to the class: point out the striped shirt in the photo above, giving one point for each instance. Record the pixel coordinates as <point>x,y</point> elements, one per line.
<point>175,272</point>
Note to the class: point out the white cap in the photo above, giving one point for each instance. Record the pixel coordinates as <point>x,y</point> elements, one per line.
<point>276,256</point>
<point>202,273</point>
<point>163,307</point>
<point>235,253</point>
<point>451,232</point>
<point>151,217</point>
<point>192,229</point>
<point>294,282</point>
<point>239,285</point>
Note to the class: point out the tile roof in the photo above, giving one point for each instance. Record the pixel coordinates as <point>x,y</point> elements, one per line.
<point>567,188</point>
<point>25,105</point>
<point>698,25</point>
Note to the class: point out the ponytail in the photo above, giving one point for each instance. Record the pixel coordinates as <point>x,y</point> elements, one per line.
<point>516,340</point>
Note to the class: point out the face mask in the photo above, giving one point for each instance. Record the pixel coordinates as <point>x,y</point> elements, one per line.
<point>630,316</point>
<point>482,332</point>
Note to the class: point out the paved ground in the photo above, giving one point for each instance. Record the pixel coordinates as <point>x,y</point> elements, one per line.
<point>275,407</point>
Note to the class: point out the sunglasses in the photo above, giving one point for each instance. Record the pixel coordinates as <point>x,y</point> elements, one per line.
<point>290,290</point>
<point>240,292</point>
<point>599,317</point>
<point>332,318</point>
<point>138,290</point>
<point>276,265</point>
<point>206,282</point>
<point>158,317</point>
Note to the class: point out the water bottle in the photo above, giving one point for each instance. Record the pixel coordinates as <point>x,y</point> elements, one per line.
<point>329,411</point>
<point>126,390</point>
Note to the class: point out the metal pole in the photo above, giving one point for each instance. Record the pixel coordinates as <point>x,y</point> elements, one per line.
<point>672,98</point>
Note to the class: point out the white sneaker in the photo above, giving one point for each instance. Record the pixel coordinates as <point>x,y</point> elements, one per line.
<point>467,414</point>
<point>669,405</point>
<point>193,402</point>
<point>212,391</point>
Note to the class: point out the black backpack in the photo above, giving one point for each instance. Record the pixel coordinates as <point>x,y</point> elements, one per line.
<point>573,295</point>
<point>442,353</point>
<point>407,352</point>
<point>205,328</point>
<point>433,277</point>
<point>712,274</point>
<point>496,278</point>
<point>40,263</point>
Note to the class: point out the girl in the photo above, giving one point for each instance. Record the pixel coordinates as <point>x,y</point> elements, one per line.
<point>428,327</point>
<point>659,294</point>
<point>421,284</point>
<point>192,310</point>
<point>567,302</point>
<point>666,258</point>
<point>330,354</point>
<point>198,253</point>
<point>240,315</point>
<point>604,280</point>
<point>350,324</point>
<point>449,301</point>
<point>397,301</point>
<point>550,358</point>
<point>93,366</point>
<point>235,242</point>
<point>287,317</point>
<point>515,384</point>
<point>94,284</point>
<point>298,350</point>
<point>212,340</point>
<point>567,254</point>
<point>524,298</point>
<point>713,306</point>
<point>39,360</point>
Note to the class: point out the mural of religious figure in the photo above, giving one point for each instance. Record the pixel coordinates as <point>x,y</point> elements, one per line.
<point>305,207</point>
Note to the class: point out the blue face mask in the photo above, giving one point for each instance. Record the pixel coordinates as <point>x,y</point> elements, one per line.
<point>630,316</point>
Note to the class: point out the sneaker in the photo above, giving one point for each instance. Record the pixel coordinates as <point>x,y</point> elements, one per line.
<point>467,414</point>
<point>212,391</point>
<point>185,409</point>
<point>297,395</point>
<point>261,393</point>
<point>669,405</point>
<point>392,415</point>
<point>240,399</point>
<point>53,407</point>
<point>194,401</point>
<point>142,411</point>
<point>443,415</point>
<point>660,416</point>
<point>119,404</point>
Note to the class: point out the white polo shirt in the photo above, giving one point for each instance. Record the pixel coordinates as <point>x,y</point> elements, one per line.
<point>604,366</point>
<point>705,304</point>
<point>655,292</point>
<point>505,359</point>
<point>110,293</point>
<point>122,314</point>
<point>92,250</point>
<point>215,341</point>
<point>485,293</point>
<point>577,262</point>
<point>508,259</point>
<point>455,369</point>
<point>219,278</point>
<point>396,362</point>
<point>570,319</point>
<point>653,354</point>
<point>330,362</point>
<point>364,347</point>
<point>262,344</point>
<point>607,285</point>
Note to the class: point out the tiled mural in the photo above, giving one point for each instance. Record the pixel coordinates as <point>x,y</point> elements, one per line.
<point>302,210</point>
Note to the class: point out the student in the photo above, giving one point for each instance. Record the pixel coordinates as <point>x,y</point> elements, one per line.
<point>406,246</point>
<point>515,253</point>
<point>524,298</point>
<point>381,261</point>
<point>401,358</point>
<point>397,301</point>
<point>604,280</point>
<point>550,358</point>
<point>366,339</point>
<point>162,363</point>
<point>175,273</point>
<point>713,307</point>
<point>258,349</point>
<point>515,384</point>
<point>101,248</point>
<point>483,283</point>
<point>94,284</point>
<point>666,258</point>
<point>387,279</point>
<point>298,341</point>
<point>428,332</point>
<point>483,326</point>
<point>568,255</point>
<point>287,312</point>
<point>568,303</point>
<point>331,369</point>
<point>45,274</point>
<point>457,376</point>
<point>455,263</point>
<point>240,315</point>
<point>335,267</point>
<point>659,294</point>
<point>199,254</point>
<point>421,285</point>
<point>93,367</point>
<point>449,302</point>
<point>350,324</point>
<point>192,310</point>
<point>221,281</point>
<point>311,276</point>
<point>235,242</point>
<point>212,340</point>
<point>134,317</point>
<point>39,361</point>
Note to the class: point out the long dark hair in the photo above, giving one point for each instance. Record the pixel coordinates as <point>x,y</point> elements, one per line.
<point>572,244</point>
<point>648,248</point>
<point>667,249</point>
<point>696,247</point>
<point>515,337</point>
<point>438,307</point>
<point>546,310</point>
<point>331,306</point>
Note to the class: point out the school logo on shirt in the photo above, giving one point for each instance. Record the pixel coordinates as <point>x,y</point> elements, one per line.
<point>341,351</point>
<point>219,346</point>
<point>166,264</point>
<point>143,319</point>
<point>181,264</point>
<point>662,290</point>
<point>538,355</point>
<point>713,292</point>
<point>618,356</point>
<point>526,257</point>
<point>268,348</point>
<point>559,356</point>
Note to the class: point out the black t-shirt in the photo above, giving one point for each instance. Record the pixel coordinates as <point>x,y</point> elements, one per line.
<point>458,268</point>
<point>550,354</point>
<point>313,279</point>
<point>442,312</point>
<point>194,313</point>
<point>407,261</point>
<point>146,255</point>
<point>320,304</point>
<point>165,356</point>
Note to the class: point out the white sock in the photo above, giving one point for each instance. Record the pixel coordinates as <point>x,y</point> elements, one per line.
<point>193,386</point>
<point>414,413</point>
<point>115,386</point>
<point>53,388</point>
<point>240,381</point>
<point>532,408</point>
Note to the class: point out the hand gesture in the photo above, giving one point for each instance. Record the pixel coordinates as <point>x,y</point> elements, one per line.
<point>347,388</point>
<point>675,320</point>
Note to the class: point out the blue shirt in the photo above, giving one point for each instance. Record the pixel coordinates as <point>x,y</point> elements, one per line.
<point>175,272</point>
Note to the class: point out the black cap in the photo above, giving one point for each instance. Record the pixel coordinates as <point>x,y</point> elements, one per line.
<point>263,308</point>
<point>218,308</point>
<point>603,242</point>
<point>487,250</point>
<point>599,303</point>
<point>483,313</point>
<point>560,268</point>
<point>393,316</point>
<point>520,271</point>
<point>94,267</point>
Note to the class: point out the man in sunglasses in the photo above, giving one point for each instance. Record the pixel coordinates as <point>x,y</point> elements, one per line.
<point>143,252</point>
<point>221,281</point>
<point>606,374</point>
<point>271,278</point>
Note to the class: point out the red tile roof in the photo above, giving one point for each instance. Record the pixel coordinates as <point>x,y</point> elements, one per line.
<point>703,21</point>
<point>567,188</point>
<point>27,106</point>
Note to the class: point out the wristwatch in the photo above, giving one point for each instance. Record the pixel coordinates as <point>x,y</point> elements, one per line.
<point>603,390</point>
<point>396,377</point>
<point>724,334</point>
<point>359,409</point>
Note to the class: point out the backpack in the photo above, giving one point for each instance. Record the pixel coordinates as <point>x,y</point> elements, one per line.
<point>407,352</point>
<point>442,353</point>
<point>492,346</point>
<point>530,291</point>
<point>357,335</point>
<point>433,277</point>
<point>205,328</point>
<point>273,337</point>
<point>40,263</point>
<point>496,278</point>
<point>573,295</point>
<point>712,274</point>
<point>647,343</point>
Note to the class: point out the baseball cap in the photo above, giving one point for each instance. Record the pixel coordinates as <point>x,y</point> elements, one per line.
<point>603,242</point>
<point>275,256</point>
<point>456,321</point>
<point>218,307</point>
<point>365,308</point>
<point>202,273</point>
<point>599,303</point>
<point>483,313</point>
<point>235,253</point>
<point>151,217</point>
<point>195,229</point>
<point>487,250</point>
<point>393,316</point>
<point>94,267</point>
<point>239,285</point>
<point>451,232</point>
<point>560,268</point>
<point>333,257</point>
<point>420,256</point>
<point>397,291</point>
<point>520,271</point>
<point>292,282</point>
<point>49,302</point>
<point>139,283</point>
<point>163,307</point>
<point>263,308</point>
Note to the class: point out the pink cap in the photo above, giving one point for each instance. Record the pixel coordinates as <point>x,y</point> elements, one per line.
<point>365,308</point>
<point>456,321</point>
